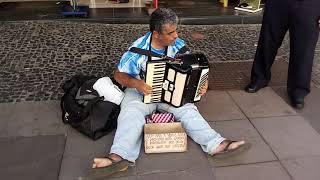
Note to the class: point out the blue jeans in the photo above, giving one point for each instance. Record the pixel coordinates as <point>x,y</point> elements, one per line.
<point>129,133</point>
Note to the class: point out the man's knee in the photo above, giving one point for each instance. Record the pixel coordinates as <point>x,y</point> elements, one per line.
<point>187,110</point>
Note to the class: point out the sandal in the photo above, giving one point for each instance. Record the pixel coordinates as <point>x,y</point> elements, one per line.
<point>114,167</point>
<point>227,152</point>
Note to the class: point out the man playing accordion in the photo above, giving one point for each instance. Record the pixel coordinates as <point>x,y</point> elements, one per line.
<point>161,39</point>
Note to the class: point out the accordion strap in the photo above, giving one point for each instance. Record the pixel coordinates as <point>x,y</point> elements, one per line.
<point>146,52</point>
<point>150,53</point>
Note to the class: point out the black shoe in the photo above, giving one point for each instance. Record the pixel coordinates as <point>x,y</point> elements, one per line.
<point>297,103</point>
<point>253,87</point>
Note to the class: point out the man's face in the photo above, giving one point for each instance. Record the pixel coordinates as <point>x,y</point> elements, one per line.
<point>169,34</point>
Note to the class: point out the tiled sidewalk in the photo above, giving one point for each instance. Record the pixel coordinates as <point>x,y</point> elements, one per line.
<point>285,145</point>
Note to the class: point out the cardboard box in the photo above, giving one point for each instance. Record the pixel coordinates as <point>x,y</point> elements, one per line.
<point>164,137</point>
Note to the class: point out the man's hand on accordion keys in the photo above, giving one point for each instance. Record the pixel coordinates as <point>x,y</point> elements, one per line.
<point>143,87</point>
<point>204,88</point>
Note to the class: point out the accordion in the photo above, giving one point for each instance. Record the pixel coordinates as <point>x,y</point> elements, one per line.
<point>176,83</point>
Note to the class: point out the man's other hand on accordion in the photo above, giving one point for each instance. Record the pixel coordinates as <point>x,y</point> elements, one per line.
<point>126,80</point>
<point>204,88</point>
<point>144,88</point>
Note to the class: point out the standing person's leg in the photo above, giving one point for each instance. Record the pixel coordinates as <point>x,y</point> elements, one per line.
<point>199,130</point>
<point>127,141</point>
<point>273,30</point>
<point>304,33</point>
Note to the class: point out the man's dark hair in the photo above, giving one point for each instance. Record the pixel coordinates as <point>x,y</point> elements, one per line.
<point>160,17</point>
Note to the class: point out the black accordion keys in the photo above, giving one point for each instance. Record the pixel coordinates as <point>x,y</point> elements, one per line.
<point>176,83</point>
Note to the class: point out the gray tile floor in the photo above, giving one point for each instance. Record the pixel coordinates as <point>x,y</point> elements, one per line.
<point>46,149</point>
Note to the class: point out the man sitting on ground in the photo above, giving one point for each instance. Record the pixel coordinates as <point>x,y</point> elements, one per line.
<point>162,39</point>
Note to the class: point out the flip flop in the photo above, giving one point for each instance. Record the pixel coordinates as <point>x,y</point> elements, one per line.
<point>103,172</point>
<point>226,152</point>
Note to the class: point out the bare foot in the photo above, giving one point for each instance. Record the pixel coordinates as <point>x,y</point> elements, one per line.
<point>107,166</point>
<point>224,144</point>
<point>104,162</point>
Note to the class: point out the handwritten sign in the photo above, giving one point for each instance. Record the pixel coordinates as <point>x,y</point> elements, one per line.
<point>165,142</point>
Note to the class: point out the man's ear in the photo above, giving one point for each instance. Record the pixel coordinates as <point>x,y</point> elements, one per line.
<point>156,34</point>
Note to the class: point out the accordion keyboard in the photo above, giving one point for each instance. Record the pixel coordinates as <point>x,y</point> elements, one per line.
<point>154,78</point>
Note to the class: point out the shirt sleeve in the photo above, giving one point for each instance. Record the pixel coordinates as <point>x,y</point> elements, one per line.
<point>129,64</point>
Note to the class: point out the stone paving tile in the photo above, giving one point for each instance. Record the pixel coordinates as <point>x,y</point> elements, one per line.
<point>32,119</point>
<point>164,162</point>
<point>217,106</point>
<point>264,103</point>
<point>289,136</point>
<point>7,110</point>
<point>259,171</point>
<point>125,178</point>
<point>198,172</point>
<point>303,168</point>
<point>31,158</point>
<point>80,151</point>
<point>236,74</point>
<point>74,168</point>
<point>79,145</point>
<point>6,113</point>
<point>282,92</point>
<point>174,166</point>
<point>310,111</point>
<point>237,130</point>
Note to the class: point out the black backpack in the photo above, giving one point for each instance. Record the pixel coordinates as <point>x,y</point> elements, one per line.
<point>84,110</point>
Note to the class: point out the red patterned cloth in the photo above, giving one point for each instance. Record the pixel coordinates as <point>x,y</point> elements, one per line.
<point>160,118</point>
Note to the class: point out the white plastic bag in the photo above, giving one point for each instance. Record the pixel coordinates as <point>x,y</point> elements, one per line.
<point>105,87</point>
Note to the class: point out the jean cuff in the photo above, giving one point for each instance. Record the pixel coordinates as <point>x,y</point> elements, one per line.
<point>212,146</point>
<point>119,151</point>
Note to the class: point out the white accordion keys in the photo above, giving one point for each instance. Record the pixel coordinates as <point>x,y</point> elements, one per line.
<point>154,78</point>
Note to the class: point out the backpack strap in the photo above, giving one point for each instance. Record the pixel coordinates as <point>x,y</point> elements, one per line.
<point>90,105</point>
<point>63,114</point>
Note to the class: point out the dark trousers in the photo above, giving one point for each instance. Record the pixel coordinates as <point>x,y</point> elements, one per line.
<point>300,17</point>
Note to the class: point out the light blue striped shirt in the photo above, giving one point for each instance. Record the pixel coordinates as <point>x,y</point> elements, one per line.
<point>133,63</point>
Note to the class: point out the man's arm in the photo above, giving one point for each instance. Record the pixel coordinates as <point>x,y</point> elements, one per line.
<point>126,80</point>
